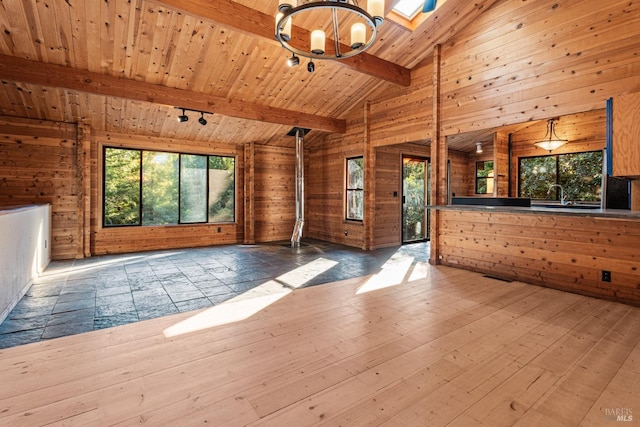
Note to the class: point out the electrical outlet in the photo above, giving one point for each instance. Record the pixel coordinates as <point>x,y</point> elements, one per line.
<point>606,276</point>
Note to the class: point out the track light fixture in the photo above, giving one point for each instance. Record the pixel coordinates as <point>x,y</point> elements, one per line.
<point>184,118</point>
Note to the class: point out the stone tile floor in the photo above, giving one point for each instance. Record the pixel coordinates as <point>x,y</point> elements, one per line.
<point>77,296</point>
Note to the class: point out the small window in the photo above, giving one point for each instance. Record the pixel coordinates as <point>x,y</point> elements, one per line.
<point>355,189</point>
<point>484,177</point>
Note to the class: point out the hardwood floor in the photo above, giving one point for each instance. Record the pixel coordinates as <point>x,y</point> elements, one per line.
<point>450,348</point>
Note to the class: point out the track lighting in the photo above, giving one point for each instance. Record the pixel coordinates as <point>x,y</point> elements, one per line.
<point>311,67</point>
<point>184,118</point>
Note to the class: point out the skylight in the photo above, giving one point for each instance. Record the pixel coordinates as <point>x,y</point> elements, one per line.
<point>408,8</point>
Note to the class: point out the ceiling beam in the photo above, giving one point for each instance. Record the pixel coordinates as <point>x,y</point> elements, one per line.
<point>255,23</point>
<point>40,73</point>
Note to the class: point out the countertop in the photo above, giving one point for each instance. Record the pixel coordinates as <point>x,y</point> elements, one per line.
<point>537,210</point>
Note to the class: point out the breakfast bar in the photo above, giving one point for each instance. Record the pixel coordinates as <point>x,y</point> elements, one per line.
<point>593,252</point>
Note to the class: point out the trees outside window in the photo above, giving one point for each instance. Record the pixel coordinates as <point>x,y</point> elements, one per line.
<point>221,189</point>
<point>193,188</point>
<point>579,174</point>
<point>156,188</point>
<point>122,187</point>
<point>355,189</point>
<point>484,177</point>
<point>159,188</point>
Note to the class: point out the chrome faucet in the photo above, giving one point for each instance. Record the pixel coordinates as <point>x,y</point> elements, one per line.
<point>562,200</point>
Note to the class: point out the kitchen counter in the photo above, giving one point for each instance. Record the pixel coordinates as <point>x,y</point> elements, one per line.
<point>547,210</point>
<point>588,251</point>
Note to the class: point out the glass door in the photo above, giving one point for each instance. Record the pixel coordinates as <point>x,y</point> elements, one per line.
<point>416,191</point>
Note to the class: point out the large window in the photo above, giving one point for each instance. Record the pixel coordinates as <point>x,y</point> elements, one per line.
<point>484,177</point>
<point>579,175</point>
<point>156,187</point>
<point>355,188</point>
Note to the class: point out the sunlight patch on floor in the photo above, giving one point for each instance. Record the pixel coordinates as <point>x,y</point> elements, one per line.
<point>392,273</point>
<point>420,271</point>
<point>235,310</point>
<point>302,275</point>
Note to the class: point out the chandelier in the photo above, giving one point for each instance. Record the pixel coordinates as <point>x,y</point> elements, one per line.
<point>332,16</point>
<point>551,141</point>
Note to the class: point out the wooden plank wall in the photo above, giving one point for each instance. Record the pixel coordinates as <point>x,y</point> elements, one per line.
<point>325,182</point>
<point>325,188</point>
<point>135,239</point>
<point>404,115</point>
<point>39,164</point>
<point>585,132</point>
<point>274,193</point>
<point>562,252</point>
<point>521,61</point>
<point>462,173</point>
<point>388,207</point>
<point>501,164</point>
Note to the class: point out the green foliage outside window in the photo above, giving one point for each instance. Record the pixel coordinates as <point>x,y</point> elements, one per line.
<point>159,188</point>
<point>156,188</point>
<point>122,187</point>
<point>193,188</point>
<point>484,177</point>
<point>579,174</point>
<point>413,182</point>
<point>222,189</point>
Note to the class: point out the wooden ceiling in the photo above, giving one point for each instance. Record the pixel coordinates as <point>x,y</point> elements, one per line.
<point>123,65</point>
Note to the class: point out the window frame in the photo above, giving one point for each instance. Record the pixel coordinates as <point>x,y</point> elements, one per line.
<point>140,192</point>
<point>348,189</point>
<point>558,174</point>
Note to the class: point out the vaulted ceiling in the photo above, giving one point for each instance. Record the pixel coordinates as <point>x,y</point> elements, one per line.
<point>123,65</point>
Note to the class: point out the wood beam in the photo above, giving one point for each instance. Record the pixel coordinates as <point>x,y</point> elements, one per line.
<point>40,73</point>
<point>255,23</point>
<point>249,193</point>
<point>369,182</point>
<point>439,157</point>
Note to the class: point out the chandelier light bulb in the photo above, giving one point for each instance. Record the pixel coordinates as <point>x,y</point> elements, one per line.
<point>317,42</point>
<point>375,8</point>
<point>358,35</point>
